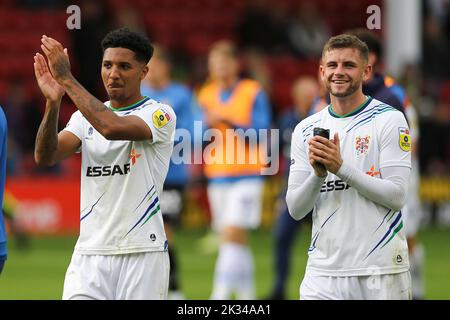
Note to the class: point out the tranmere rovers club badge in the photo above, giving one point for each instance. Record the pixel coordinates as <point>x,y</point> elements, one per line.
<point>362,145</point>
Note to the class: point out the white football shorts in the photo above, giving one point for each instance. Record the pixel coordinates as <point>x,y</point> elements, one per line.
<point>236,204</point>
<point>375,287</point>
<point>136,276</point>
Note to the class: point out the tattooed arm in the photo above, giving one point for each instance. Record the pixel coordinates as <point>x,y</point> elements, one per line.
<point>51,147</point>
<point>104,120</point>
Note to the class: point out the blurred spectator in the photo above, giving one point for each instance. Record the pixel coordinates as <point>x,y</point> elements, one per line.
<point>306,94</point>
<point>307,32</point>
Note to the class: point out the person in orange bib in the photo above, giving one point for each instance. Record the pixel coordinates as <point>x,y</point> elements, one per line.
<point>236,111</point>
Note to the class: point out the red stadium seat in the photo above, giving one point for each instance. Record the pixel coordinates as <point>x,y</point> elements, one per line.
<point>281,94</point>
<point>445,92</point>
<point>283,67</point>
<point>66,111</point>
<point>197,44</point>
<point>3,90</point>
<point>309,67</point>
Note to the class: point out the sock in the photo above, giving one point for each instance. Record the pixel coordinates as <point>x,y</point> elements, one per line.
<point>173,275</point>
<point>223,275</point>
<point>233,273</point>
<point>416,260</point>
<point>245,288</point>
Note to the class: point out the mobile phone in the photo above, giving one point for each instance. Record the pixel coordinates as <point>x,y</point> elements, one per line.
<point>321,132</point>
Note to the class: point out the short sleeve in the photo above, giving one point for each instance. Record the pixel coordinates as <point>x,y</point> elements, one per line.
<point>395,141</point>
<point>161,120</point>
<point>299,159</point>
<point>75,125</point>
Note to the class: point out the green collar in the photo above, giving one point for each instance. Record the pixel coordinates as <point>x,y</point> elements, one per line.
<point>134,105</point>
<point>354,112</point>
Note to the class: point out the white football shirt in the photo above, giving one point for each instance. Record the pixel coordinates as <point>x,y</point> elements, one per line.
<point>352,235</point>
<point>121,183</point>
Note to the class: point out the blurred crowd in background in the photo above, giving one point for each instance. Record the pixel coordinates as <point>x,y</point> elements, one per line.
<point>280,42</point>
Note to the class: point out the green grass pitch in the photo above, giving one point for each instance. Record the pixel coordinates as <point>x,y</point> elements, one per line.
<point>38,273</point>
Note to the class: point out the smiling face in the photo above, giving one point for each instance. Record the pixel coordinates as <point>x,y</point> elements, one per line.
<point>343,70</point>
<point>122,75</point>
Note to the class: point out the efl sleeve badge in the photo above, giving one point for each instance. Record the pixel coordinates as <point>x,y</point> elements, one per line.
<point>404,139</point>
<point>160,118</point>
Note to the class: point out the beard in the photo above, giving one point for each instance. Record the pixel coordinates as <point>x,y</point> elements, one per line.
<point>353,87</point>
